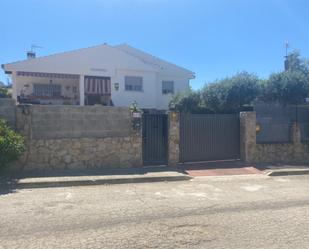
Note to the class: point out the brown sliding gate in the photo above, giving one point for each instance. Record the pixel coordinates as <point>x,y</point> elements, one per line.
<point>207,137</point>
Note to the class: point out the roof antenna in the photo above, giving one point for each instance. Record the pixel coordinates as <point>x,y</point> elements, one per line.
<point>287,46</point>
<point>286,62</point>
<point>31,54</point>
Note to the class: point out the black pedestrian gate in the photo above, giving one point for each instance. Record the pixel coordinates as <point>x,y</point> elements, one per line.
<point>207,137</point>
<point>154,139</point>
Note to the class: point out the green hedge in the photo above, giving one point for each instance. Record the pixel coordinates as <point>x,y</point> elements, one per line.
<point>12,145</point>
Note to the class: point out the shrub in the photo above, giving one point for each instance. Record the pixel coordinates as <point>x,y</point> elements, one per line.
<point>289,87</point>
<point>4,92</point>
<point>189,102</point>
<point>11,144</point>
<point>229,95</point>
<point>232,94</point>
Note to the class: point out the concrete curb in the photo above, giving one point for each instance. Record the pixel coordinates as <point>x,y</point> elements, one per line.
<point>23,184</point>
<point>287,172</point>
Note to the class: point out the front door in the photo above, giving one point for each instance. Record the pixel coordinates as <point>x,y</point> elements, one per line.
<point>155,139</point>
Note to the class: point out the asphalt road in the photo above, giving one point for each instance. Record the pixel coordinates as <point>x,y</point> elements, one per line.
<point>210,212</point>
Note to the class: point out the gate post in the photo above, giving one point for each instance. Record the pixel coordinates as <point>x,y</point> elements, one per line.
<point>173,138</point>
<point>295,133</point>
<point>247,136</point>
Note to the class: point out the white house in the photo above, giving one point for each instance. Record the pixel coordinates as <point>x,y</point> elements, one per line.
<point>103,74</point>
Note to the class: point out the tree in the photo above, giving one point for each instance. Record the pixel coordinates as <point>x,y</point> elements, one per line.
<point>4,92</point>
<point>231,94</point>
<point>224,96</point>
<point>290,86</point>
<point>294,62</point>
<point>188,102</point>
<point>237,93</point>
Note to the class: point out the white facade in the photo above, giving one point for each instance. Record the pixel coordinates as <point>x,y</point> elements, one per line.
<point>103,61</point>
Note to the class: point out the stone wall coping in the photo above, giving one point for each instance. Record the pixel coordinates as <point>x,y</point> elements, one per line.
<point>7,102</point>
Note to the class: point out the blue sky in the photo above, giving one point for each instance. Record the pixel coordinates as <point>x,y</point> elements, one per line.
<point>213,38</point>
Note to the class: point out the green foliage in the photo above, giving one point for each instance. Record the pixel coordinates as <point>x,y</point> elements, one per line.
<point>11,144</point>
<point>236,93</point>
<point>224,96</point>
<point>232,94</point>
<point>190,101</point>
<point>290,86</point>
<point>4,92</point>
<point>295,63</point>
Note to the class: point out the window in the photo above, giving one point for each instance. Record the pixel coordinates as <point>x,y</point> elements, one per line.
<point>133,83</point>
<point>50,90</point>
<point>167,87</point>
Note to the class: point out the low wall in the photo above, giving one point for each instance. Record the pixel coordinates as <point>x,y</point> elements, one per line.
<point>82,153</point>
<point>75,137</point>
<point>7,111</point>
<point>51,122</point>
<point>294,152</point>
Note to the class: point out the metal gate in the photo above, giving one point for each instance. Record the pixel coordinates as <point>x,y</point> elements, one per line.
<point>154,139</point>
<point>207,137</point>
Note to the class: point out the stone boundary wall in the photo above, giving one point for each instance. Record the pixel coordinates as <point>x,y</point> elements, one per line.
<point>74,137</point>
<point>8,111</point>
<point>81,153</point>
<point>294,152</point>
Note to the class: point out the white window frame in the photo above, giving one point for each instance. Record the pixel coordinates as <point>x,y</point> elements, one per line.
<point>168,91</point>
<point>50,90</point>
<point>132,86</point>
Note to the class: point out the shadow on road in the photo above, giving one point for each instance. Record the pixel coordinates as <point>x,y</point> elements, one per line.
<point>93,172</point>
<point>7,185</point>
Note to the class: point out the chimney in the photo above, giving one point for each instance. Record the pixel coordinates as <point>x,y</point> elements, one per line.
<point>30,55</point>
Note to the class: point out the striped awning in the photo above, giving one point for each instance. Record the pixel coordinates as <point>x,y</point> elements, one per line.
<point>48,75</point>
<point>97,85</point>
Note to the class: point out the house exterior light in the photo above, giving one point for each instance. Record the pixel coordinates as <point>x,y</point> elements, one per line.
<point>116,86</point>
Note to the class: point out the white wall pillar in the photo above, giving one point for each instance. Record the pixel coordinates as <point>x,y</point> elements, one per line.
<point>81,90</point>
<point>14,85</point>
